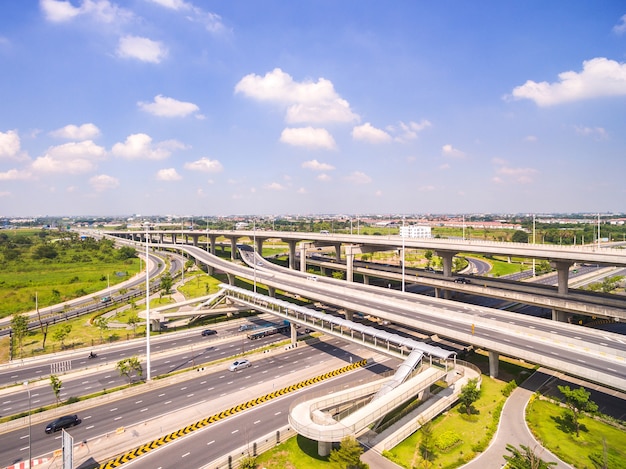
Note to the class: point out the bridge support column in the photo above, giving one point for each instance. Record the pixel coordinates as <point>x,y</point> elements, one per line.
<point>562,269</point>
<point>349,264</point>
<point>213,241</point>
<point>271,291</point>
<point>323,448</point>
<point>161,238</point>
<point>259,246</point>
<point>302,257</point>
<point>231,279</point>
<point>292,254</point>
<point>366,279</point>
<point>446,257</point>
<point>233,249</point>
<point>194,239</point>
<point>349,315</point>
<point>494,362</point>
<point>338,252</point>
<point>294,335</point>
<point>560,316</point>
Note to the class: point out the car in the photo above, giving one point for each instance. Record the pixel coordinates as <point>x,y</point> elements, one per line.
<point>209,332</point>
<point>461,280</point>
<point>62,422</point>
<point>308,331</point>
<point>245,327</point>
<point>239,365</point>
<point>313,278</point>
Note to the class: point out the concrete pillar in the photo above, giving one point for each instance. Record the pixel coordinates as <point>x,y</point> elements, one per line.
<point>561,316</point>
<point>302,257</point>
<point>233,249</point>
<point>231,279</point>
<point>446,257</point>
<point>194,238</point>
<point>213,240</point>
<point>366,279</point>
<point>338,252</point>
<point>562,269</point>
<point>259,246</point>
<point>161,236</point>
<point>271,291</point>
<point>173,238</point>
<point>323,448</point>
<point>292,253</point>
<point>294,335</point>
<point>349,264</point>
<point>494,362</point>
<point>349,315</point>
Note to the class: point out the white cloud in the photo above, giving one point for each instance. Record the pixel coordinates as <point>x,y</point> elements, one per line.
<point>103,11</point>
<point>139,146</point>
<point>324,177</point>
<point>141,48</point>
<point>15,175</point>
<point>307,101</point>
<point>308,137</point>
<point>168,174</point>
<point>449,150</point>
<point>103,182</point>
<point>506,174</point>
<point>368,133</point>
<point>531,138</point>
<point>317,166</point>
<point>358,177</point>
<point>73,132</point>
<point>620,28</point>
<point>10,146</point>
<point>275,186</point>
<point>205,165</point>
<point>410,130</point>
<point>163,106</point>
<point>596,132</point>
<point>70,158</point>
<point>599,77</point>
<point>211,21</point>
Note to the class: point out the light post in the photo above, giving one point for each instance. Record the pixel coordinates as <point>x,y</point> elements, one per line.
<point>147,308</point>
<point>533,244</point>
<point>30,453</point>
<point>254,250</point>
<point>403,235</point>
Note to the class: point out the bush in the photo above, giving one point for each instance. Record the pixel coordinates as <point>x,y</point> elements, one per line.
<point>447,440</point>
<point>509,388</point>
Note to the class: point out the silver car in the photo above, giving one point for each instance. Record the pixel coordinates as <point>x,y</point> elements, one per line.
<point>239,365</point>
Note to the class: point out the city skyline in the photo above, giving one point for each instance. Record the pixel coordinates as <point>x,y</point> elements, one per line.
<point>167,106</point>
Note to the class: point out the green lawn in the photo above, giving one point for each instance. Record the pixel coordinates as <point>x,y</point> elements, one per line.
<point>550,427</point>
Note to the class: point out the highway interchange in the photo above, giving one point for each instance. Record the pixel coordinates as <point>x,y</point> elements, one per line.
<point>192,347</point>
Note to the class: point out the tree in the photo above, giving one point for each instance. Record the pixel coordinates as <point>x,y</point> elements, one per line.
<point>427,444</point>
<point>19,324</point>
<point>577,402</point>
<point>132,321</point>
<point>348,455</point>
<point>469,394</point>
<point>61,332</point>
<point>166,283</point>
<point>520,237</point>
<point>102,323</point>
<point>56,384</point>
<point>524,459</point>
<point>128,366</point>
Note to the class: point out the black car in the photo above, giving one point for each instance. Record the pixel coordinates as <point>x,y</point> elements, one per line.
<point>62,422</point>
<point>209,332</point>
<point>462,280</point>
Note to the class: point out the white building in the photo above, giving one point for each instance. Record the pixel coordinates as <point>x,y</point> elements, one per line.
<point>415,231</point>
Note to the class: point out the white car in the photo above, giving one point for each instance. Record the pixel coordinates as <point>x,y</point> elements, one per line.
<point>239,365</point>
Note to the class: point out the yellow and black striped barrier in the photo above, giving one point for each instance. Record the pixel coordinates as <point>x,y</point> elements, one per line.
<point>143,449</point>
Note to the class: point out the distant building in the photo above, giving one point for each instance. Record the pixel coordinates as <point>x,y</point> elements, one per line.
<point>415,231</point>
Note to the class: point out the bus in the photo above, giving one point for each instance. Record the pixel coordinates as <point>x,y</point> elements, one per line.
<point>269,330</point>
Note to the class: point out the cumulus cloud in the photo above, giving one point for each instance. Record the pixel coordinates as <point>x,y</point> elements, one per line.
<point>450,151</point>
<point>505,174</point>
<point>275,186</point>
<point>368,133</point>
<point>103,11</point>
<point>307,101</point>
<point>168,174</point>
<point>141,48</point>
<point>15,175</point>
<point>324,177</point>
<point>600,77</point>
<point>103,182</point>
<point>70,158</point>
<point>205,165</point>
<point>73,132</point>
<point>317,166</point>
<point>358,177</point>
<point>308,137</point>
<point>620,28</point>
<point>10,146</point>
<point>163,106</point>
<point>211,21</point>
<point>409,131</point>
<point>597,133</point>
<point>139,146</point>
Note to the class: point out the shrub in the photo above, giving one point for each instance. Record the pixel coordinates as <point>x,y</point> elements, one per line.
<point>447,440</point>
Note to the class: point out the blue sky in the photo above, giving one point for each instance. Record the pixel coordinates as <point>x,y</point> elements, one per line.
<point>179,107</point>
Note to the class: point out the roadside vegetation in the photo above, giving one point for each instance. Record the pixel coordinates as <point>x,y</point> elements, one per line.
<point>48,267</point>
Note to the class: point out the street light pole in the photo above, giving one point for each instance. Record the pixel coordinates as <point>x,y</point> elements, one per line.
<point>403,235</point>
<point>254,249</point>
<point>30,452</point>
<point>147,309</point>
